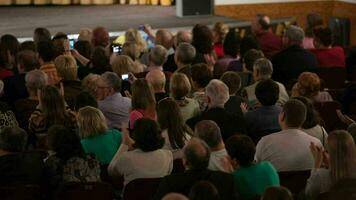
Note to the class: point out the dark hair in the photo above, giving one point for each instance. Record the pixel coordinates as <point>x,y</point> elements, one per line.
<point>100,60</point>
<point>65,142</point>
<point>232,43</point>
<point>142,95</point>
<point>201,74</point>
<point>8,44</point>
<point>100,37</point>
<point>267,92</point>
<point>28,60</point>
<point>250,58</point>
<point>85,98</point>
<point>46,50</point>
<point>28,45</point>
<point>13,139</point>
<point>241,148</point>
<point>197,154</point>
<point>313,20</point>
<point>313,117</point>
<point>295,113</point>
<point>41,34</point>
<point>203,190</point>
<point>262,22</point>
<point>248,42</point>
<point>170,118</point>
<point>59,35</point>
<point>84,48</point>
<point>147,135</point>
<point>277,193</point>
<point>202,39</point>
<point>324,36</point>
<point>232,81</point>
<point>208,131</point>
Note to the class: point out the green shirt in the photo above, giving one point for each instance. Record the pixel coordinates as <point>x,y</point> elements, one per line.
<point>253,180</point>
<point>104,146</point>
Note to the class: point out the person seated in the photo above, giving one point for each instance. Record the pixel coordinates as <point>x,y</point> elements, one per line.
<point>280,193</point>
<point>218,94</point>
<point>264,119</point>
<point>147,159</point>
<point>339,161</point>
<point>262,70</point>
<point>114,106</point>
<point>179,90</point>
<point>249,60</point>
<point>231,49</point>
<point>157,79</point>
<point>46,54</point>
<point>143,102</point>
<point>326,54</point>
<point>288,150</point>
<point>68,163</point>
<point>204,190</point>
<point>220,31</point>
<point>312,124</point>
<point>174,130</point>
<point>16,166</point>
<point>201,75</point>
<point>23,108</point>
<point>209,132</point>
<point>308,85</point>
<point>313,20</point>
<point>7,116</point>
<point>233,82</point>
<point>96,137</point>
<point>251,178</point>
<point>293,60</point>
<point>67,68</point>
<point>269,42</point>
<point>196,156</point>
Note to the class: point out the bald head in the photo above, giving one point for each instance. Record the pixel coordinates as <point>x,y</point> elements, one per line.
<point>183,36</point>
<point>157,79</point>
<point>208,131</point>
<point>174,196</point>
<point>164,38</point>
<point>196,154</point>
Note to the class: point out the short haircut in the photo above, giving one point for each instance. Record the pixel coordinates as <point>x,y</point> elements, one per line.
<point>196,154</point>
<point>241,148</point>
<point>313,117</point>
<point>113,80</point>
<point>295,113</point>
<point>46,50</point>
<point>267,92</point>
<point>91,122</point>
<point>208,131</point>
<point>147,135</point>
<point>201,74</point>
<point>250,57</point>
<point>13,139</point>
<point>66,67</point>
<point>232,81</point>
<point>264,68</point>
<point>232,43</point>
<point>217,92</point>
<point>41,34</point>
<point>324,36</point>
<point>28,60</point>
<point>85,98</point>
<point>294,34</point>
<point>158,55</point>
<point>183,36</point>
<point>28,45</point>
<point>36,79</point>
<point>179,85</point>
<point>185,53</point>
<point>204,190</point>
<point>157,79</point>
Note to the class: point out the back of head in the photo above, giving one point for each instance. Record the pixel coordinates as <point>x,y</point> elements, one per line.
<point>53,105</point>
<point>174,196</point>
<point>247,43</point>
<point>100,37</point>
<point>13,139</point>
<point>277,193</point>
<point>185,53</point>
<point>142,95</point>
<point>204,190</point>
<point>157,79</point>
<point>66,66</point>
<point>295,113</point>
<point>267,92</point>
<point>250,58</point>
<point>263,67</point>
<point>232,81</point>
<point>241,149</point>
<point>313,117</point>
<point>202,39</point>
<point>9,46</point>
<point>46,50</point>
<point>313,20</point>
<point>308,84</point>
<point>112,80</point>
<point>91,122</point>
<point>27,45</point>
<point>41,34</point>
<point>158,55</point>
<point>179,86</point>
<point>164,38</point>
<point>122,64</point>
<point>323,36</point>
<point>232,43</point>
<point>196,154</point>
<point>208,131</point>
<point>183,36</point>
<point>201,74</point>
<point>263,21</point>
<point>35,80</point>
<point>100,59</point>
<point>85,98</point>
<point>295,35</point>
<point>27,59</point>
<point>147,135</point>
<point>217,92</point>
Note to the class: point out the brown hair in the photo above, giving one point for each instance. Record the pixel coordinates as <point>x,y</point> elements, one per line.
<point>295,113</point>
<point>308,84</point>
<point>66,67</point>
<point>142,95</point>
<point>180,87</point>
<point>232,81</point>
<point>122,64</point>
<point>91,122</point>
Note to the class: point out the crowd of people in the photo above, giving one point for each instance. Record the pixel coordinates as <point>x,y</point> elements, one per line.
<point>236,111</point>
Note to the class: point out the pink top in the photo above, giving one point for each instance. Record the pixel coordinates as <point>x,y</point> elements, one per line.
<point>331,57</point>
<point>138,114</point>
<point>308,43</point>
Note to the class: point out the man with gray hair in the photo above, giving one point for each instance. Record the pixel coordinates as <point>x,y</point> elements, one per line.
<point>184,57</point>
<point>293,59</point>
<point>262,70</point>
<point>114,106</point>
<point>157,57</point>
<point>230,123</point>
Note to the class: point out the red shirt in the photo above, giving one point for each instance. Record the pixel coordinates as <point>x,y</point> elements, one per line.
<point>332,57</point>
<point>269,42</point>
<point>219,49</point>
<point>5,73</point>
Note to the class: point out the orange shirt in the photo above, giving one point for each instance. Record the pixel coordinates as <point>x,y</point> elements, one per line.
<point>51,71</point>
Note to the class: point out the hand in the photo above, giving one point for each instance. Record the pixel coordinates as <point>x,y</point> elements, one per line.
<point>132,78</point>
<point>127,94</point>
<point>344,118</point>
<point>210,59</point>
<point>317,153</point>
<point>244,107</point>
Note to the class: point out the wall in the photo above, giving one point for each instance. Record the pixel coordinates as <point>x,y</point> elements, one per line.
<point>240,9</point>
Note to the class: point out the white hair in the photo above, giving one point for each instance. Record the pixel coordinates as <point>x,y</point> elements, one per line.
<point>217,92</point>
<point>264,68</point>
<point>36,79</point>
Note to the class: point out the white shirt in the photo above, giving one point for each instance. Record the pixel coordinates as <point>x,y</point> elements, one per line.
<point>177,153</point>
<point>287,150</point>
<point>215,162</point>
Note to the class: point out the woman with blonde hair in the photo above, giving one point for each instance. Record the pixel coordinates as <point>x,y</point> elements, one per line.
<point>96,137</point>
<point>180,88</point>
<point>89,83</point>
<point>340,163</point>
<point>134,36</point>
<point>123,64</point>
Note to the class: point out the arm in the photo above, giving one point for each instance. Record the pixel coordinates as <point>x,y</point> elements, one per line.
<point>83,60</point>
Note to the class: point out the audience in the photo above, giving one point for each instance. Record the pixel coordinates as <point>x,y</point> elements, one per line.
<point>46,54</point>
<point>288,150</point>
<point>184,57</point>
<point>100,37</point>
<point>157,80</point>
<point>249,60</point>
<point>201,75</point>
<point>157,57</point>
<point>41,34</point>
